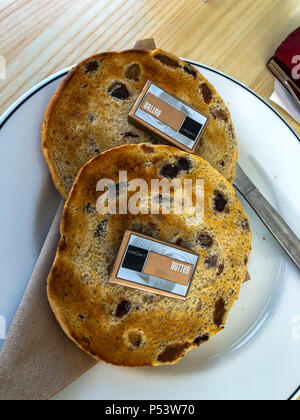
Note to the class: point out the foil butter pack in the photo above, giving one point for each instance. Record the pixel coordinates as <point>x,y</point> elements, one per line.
<point>154,266</point>
<point>168,118</point>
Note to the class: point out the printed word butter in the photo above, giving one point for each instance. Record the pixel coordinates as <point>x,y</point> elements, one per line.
<point>168,118</point>
<point>154,266</point>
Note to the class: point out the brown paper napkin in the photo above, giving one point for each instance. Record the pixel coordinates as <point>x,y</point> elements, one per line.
<point>37,359</point>
<point>145,44</point>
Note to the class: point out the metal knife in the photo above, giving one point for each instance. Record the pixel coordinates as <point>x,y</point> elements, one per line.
<point>268,215</point>
<point>285,80</point>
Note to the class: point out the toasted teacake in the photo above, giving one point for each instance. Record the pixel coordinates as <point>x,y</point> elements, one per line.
<point>130,327</point>
<point>88,113</point>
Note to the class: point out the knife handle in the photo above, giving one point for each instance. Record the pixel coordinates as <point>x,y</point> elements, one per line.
<point>276,225</point>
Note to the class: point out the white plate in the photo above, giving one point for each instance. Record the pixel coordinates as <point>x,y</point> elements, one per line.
<point>257,355</point>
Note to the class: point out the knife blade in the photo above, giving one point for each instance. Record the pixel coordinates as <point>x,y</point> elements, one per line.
<point>269,216</point>
<point>285,80</point>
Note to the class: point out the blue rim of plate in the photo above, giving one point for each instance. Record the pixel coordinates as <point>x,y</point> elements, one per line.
<point>16,105</point>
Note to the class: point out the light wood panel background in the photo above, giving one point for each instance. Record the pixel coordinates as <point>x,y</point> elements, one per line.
<point>40,37</point>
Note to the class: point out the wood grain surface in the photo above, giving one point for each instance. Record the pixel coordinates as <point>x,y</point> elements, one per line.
<point>40,37</point>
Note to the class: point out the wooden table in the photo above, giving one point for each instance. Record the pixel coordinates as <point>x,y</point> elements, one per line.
<point>40,37</point>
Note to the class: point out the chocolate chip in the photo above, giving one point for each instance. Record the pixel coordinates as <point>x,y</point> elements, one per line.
<point>91,118</point>
<point>123,308</point>
<point>219,312</point>
<point>136,341</point>
<point>135,338</point>
<point>148,148</point>
<point>148,228</point>
<point>201,339</point>
<point>206,93</point>
<point>81,317</point>
<point>110,267</point>
<point>245,225</point>
<point>199,306</point>
<point>154,140</point>
<point>89,208</point>
<point>148,298</point>
<point>123,185</point>
<point>159,198</point>
<point>212,261</point>
<point>183,243</point>
<point>118,90</point>
<point>101,228</point>
<point>94,146</point>
<point>246,260</point>
<point>110,260</point>
<point>86,340</point>
<point>172,352</point>
<point>190,70</point>
<point>169,171</point>
<point>219,201</point>
<point>205,240</point>
<point>222,163</point>
<point>219,114</point>
<point>166,60</point>
<point>180,242</point>
<point>230,129</point>
<point>91,66</point>
<point>183,164</point>
<point>129,134</point>
<point>220,269</point>
<point>133,71</point>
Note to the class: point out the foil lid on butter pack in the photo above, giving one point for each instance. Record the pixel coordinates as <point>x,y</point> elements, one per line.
<point>168,118</point>
<point>154,266</point>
